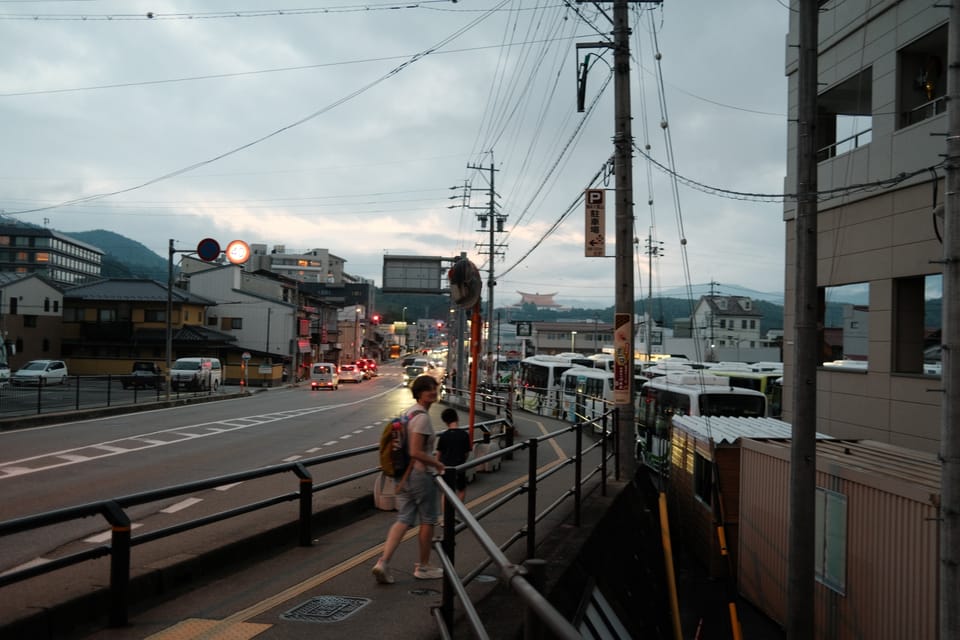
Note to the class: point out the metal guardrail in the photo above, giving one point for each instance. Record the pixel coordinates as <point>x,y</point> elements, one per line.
<point>114,512</point>
<point>525,579</point>
<point>87,392</point>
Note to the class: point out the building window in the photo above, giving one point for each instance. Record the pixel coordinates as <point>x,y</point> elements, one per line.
<point>922,78</point>
<point>844,116</point>
<point>917,333</point>
<point>723,323</point>
<point>45,345</point>
<point>231,323</point>
<point>211,321</point>
<point>831,539</point>
<point>107,315</point>
<point>753,324</point>
<point>844,321</point>
<point>702,478</point>
<point>14,303</point>
<point>46,304</point>
<point>30,321</point>
<point>154,315</point>
<point>56,306</point>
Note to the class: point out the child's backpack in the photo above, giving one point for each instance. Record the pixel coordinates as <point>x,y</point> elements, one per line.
<point>394,454</point>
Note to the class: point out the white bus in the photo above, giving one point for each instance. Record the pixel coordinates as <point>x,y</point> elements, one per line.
<point>602,361</point>
<point>538,383</point>
<point>766,382</point>
<point>586,393</point>
<point>689,394</point>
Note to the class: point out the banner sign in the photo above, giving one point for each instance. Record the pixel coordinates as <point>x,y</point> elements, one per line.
<point>595,245</point>
<point>622,344</point>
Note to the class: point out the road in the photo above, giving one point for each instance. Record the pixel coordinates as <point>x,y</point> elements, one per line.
<point>51,467</point>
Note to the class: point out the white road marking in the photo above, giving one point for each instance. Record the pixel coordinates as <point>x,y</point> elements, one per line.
<point>180,506</point>
<point>330,443</point>
<point>227,487</point>
<point>292,458</point>
<point>26,565</point>
<point>159,438</point>
<point>314,450</point>
<point>348,435</point>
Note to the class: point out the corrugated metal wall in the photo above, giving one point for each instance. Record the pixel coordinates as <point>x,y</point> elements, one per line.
<point>891,548</point>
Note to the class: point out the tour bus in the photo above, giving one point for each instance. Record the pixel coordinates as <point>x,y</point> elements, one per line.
<point>538,383</point>
<point>602,361</point>
<point>690,394</point>
<point>765,382</point>
<point>586,393</point>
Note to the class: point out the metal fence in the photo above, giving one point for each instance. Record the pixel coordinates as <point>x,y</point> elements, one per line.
<point>87,392</point>
<point>519,578</point>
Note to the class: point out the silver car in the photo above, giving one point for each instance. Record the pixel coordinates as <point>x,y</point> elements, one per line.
<point>41,372</point>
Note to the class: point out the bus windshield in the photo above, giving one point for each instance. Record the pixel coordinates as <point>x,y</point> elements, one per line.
<point>733,406</point>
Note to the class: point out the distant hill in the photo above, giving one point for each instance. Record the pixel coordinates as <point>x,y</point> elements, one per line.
<point>124,258</point>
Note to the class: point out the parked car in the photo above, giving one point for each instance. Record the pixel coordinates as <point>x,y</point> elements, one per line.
<point>200,374</point>
<point>144,374</point>
<point>43,372</point>
<point>324,374</point>
<point>350,373</point>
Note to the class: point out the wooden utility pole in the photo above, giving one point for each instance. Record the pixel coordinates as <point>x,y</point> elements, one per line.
<point>950,341</point>
<point>803,455</point>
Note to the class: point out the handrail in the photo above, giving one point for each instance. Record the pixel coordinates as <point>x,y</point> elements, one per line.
<point>516,576</point>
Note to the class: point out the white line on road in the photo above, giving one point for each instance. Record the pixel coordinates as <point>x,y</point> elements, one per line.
<point>180,506</point>
<point>292,458</point>
<point>330,443</point>
<point>227,487</point>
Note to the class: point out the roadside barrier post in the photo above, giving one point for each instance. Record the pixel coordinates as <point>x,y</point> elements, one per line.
<point>119,562</point>
<point>532,497</point>
<point>533,627</point>
<point>306,505</point>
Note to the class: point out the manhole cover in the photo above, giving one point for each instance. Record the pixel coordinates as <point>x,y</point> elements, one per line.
<point>325,609</point>
<point>424,592</point>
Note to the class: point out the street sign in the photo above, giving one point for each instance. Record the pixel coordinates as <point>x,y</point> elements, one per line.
<point>238,252</point>
<point>208,249</point>
<point>622,344</point>
<point>595,244</point>
<point>246,355</point>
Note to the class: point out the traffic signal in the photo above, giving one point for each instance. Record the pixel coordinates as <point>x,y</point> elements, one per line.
<point>375,318</point>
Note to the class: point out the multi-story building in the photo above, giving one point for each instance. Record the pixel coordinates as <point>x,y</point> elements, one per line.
<point>30,317</point>
<point>727,322</point>
<point>108,324</point>
<point>315,265</point>
<point>58,257</point>
<point>882,73</point>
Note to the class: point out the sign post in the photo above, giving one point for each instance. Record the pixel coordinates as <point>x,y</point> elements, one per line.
<point>595,245</point>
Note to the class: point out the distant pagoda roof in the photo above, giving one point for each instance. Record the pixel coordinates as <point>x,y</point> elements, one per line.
<point>539,299</point>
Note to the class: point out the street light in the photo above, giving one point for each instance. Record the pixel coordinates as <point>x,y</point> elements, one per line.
<point>573,341</point>
<point>356,335</point>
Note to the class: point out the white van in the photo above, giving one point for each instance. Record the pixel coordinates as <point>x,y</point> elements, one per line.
<point>324,374</point>
<point>199,374</point>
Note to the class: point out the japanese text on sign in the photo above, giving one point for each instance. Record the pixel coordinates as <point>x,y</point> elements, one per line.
<point>595,245</point>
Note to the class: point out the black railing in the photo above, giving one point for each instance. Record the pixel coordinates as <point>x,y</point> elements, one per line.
<point>88,392</point>
<point>522,579</point>
<point>526,579</point>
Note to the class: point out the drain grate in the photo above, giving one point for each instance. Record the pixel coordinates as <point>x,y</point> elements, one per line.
<point>325,609</point>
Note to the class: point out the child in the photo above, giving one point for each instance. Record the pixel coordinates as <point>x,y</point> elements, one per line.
<point>454,445</point>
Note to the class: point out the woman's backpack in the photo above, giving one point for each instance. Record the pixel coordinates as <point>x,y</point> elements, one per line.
<point>394,450</point>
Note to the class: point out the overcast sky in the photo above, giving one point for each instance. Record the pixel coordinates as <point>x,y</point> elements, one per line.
<point>343,124</point>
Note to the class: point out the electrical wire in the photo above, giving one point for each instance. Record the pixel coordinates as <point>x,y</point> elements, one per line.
<point>363,89</point>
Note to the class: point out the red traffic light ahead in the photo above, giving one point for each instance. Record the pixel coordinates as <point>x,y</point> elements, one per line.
<point>375,318</point>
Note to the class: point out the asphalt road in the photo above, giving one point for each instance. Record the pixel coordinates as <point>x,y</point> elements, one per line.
<point>55,466</point>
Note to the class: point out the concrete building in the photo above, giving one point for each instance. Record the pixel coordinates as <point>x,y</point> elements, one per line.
<point>30,317</point>
<point>315,265</point>
<point>58,257</point>
<point>882,121</point>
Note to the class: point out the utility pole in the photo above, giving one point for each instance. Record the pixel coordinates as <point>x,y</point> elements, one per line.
<point>803,451</point>
<point>492,222</point>
<point>950,365</point>
<point>654,250</point>
<point>623,280</point>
